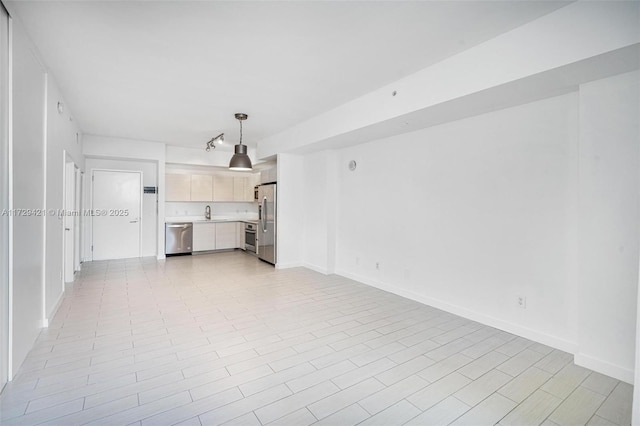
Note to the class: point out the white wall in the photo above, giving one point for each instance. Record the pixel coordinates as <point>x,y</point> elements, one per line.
<point>468,216</point>
<point>319,204</point>
<point>62,137</point>
<point>149,170</point>
<point>609,223</point>
<point>41,137</point>
<point>28,193</point>
<point>540,200</point>
<point>118,149</point>
<point>290,216</point>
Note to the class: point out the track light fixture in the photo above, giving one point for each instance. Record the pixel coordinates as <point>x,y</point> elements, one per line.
<point>211,144</point>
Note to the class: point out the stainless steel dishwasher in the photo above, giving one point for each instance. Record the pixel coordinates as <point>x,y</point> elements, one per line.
<point>178,238</point>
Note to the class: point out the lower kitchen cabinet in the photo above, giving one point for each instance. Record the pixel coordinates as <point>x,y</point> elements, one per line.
<point>226,235</point>
<point>240,240</point>
<point>218,236</point>
<point>204,236</point>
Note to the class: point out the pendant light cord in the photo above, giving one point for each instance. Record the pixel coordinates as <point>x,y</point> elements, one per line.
<point>240,131</point>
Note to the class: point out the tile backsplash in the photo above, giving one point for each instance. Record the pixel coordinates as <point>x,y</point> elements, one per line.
<point>173,209</point>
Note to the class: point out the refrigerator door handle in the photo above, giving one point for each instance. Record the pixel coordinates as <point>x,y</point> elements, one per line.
<point>264,214</point>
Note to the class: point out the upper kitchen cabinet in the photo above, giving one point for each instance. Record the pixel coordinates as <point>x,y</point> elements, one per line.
<point>216,187</point>
<point>222,188</point>
<point>239,189</point>
<point>253,180</point>
<point>243,187</point>
<point>177,187</point>
<point>269,175</point>
<point>201,188</point>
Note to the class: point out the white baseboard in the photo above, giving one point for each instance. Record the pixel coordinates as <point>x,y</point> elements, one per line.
<point>316,268</point>
<point>288,265</point>
<point>537,336</point>
<point>53,311</point>
<point>604,367</point>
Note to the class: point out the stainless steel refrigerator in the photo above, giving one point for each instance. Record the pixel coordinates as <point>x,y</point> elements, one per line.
<point>267,214</point>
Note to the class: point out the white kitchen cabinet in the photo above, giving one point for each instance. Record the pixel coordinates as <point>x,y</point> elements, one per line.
<point>240,235</point>
<point>201,188</point>
<point>208,188</point>
<point>177,187</point>
<point>204,236</point>
<point>223,188</point>
<point>239,185</point>
<point>226,235</point>
<point>252,181</point>
<point>269,175</point>
<point>243,187</point>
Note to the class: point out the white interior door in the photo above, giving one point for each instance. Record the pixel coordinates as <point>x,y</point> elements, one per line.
<point>69,228</point>
<point>116,207</point>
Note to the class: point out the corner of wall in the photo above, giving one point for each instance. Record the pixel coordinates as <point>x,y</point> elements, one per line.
<point>604,367</point>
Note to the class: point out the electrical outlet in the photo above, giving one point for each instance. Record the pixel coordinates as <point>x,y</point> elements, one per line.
<point>522,302</point>
<point>378,266</point>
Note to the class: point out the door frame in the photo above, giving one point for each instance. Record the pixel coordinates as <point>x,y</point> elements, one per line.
<point>6,202</point>
<point>139,172</point>
<point>67,186</point>
<point>77,220</point>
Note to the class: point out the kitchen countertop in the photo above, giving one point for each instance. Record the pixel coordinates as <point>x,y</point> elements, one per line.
<point>214,219</point>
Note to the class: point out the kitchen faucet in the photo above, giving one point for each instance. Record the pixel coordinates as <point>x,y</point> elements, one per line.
<point>207,212</point>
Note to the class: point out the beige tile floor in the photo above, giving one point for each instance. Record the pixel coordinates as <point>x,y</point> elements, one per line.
<point>226,339</point>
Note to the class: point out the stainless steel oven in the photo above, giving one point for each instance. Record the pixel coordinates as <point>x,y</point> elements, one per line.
<point>250,238</point>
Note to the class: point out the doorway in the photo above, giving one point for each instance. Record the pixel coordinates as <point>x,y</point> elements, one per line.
<point>116,214</point>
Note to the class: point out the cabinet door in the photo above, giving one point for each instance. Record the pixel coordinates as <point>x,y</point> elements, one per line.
<point>201,188</point>
<point>264,176</point>
<point>251,183</point>
<point>254,180</point>
<point>222,188</point>
<point>204,236</point>
<point>240,234</point>
<point>178,187</point>
<point>269,175</point>
<point>226,235</point>
<point>239,193</point>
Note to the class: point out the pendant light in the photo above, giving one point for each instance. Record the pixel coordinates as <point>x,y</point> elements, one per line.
<point>240,160</point>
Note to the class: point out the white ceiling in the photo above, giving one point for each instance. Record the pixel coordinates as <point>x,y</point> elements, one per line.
<point>177,71</point>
